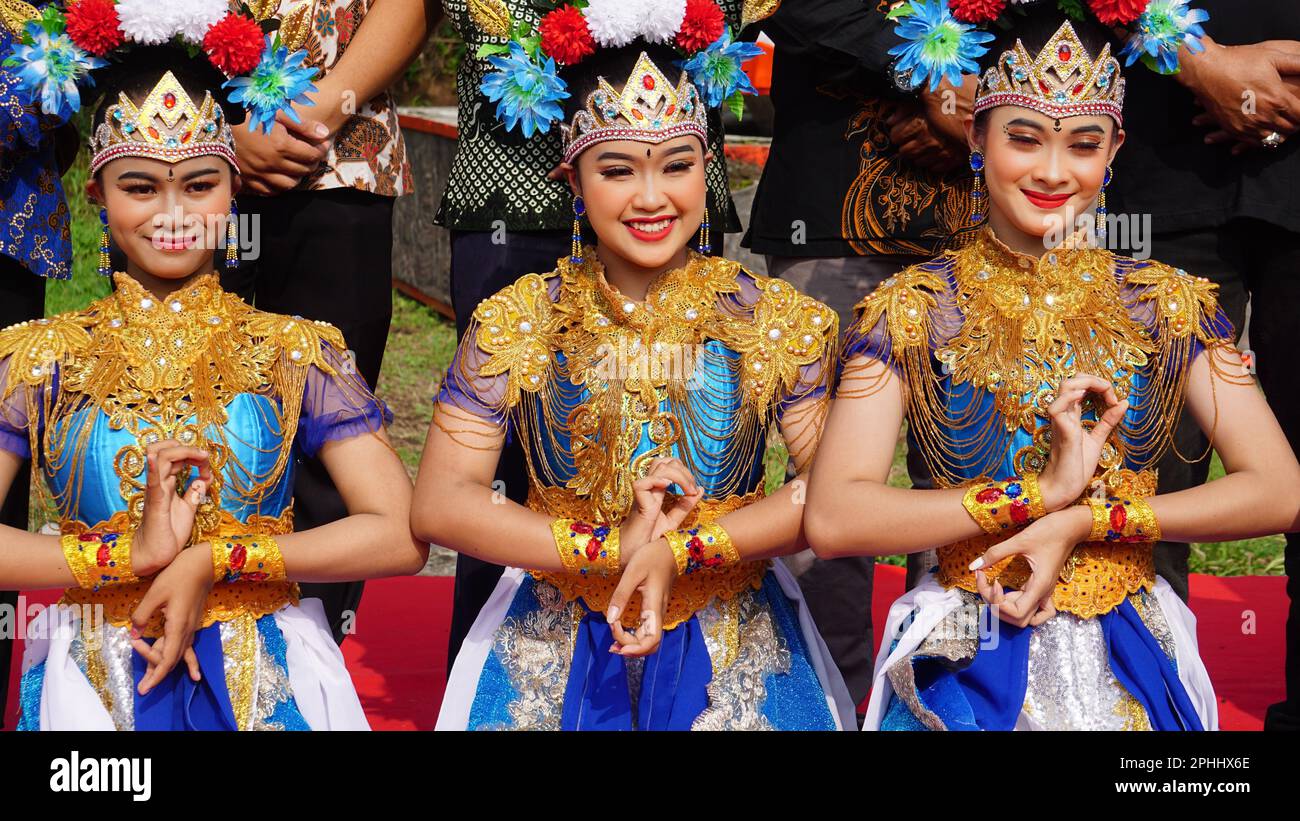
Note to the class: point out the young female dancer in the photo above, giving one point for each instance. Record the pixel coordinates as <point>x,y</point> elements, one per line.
<point>1042,379</point>
<point>643,379</point>
<point>165,420</point>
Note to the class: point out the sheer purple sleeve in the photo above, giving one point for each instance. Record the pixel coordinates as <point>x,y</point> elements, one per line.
<point>469,393</point>
<point>905,319</point>
<point>13,415</point>
<point>466,389</point>
<point>337,405</point>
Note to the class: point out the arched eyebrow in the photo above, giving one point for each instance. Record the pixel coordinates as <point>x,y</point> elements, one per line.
<point>147,177</point>
<point>1021,121</point>
<point>1089,129</point>
<point>685,148</point>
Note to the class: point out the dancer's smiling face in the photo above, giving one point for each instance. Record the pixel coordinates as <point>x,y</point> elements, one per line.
<point>645,202</point>
<point>1039,171</point>
<point>168,218</point>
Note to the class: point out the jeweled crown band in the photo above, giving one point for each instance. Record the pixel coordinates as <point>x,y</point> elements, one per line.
<point>166,155</point>
<point>648,109</point>
<point>167,126</point>
<point>640,135</point>
<point>1056,112</point>
<point>1063,80</point>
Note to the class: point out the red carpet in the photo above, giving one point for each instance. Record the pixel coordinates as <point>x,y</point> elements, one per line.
<point>398,655</point>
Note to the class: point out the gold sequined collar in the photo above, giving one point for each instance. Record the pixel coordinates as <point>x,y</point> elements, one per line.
<point>137,305</point>
<point>679,297</point>
<point>994,253</point>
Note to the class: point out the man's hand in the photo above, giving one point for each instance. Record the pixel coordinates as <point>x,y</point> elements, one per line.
<point>946,109</point>
<point>1245,91</point>
<point>274,163</point>
<point>916,141</point>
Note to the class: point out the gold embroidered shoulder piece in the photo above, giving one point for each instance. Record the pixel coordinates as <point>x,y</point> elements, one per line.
<point>515,327</point>
<point>34,347</point>
<point>1182,303</point>
<point>906,300</point>
<point>786,332</point>
<point>300,341</point>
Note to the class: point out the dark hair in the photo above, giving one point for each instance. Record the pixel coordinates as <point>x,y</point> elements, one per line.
<point>144,66</point>
<point>1034,28</point>
<point>614,65</point>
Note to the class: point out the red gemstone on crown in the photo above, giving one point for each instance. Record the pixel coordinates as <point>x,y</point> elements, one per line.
<point>1078,89</point>
<point>1064,53</point>
<point>668,112</point>
<point>169,100</point>
<point>153,132</point>
<point>1043,87</point>
<point>648,82</point>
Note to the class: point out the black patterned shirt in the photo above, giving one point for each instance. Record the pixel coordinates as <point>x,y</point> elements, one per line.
<point>500,175</point>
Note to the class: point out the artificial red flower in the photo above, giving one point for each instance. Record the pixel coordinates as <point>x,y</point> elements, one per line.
<point>234,44</point>
<point>976,11</point>
<point>1118,12</point>
<point>565,36</point>
<point>702,25</point>
<point>94,27</point>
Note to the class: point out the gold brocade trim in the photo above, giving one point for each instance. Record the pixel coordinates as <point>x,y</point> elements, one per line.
<point>690,593</point>
<point>1103,575</point>
<point>225,601</point>
<point>240,646</point>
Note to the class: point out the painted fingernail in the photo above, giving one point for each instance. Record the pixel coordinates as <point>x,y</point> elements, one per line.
<point>322,130</point>
<point>611,615</point>
<point>977,564</point>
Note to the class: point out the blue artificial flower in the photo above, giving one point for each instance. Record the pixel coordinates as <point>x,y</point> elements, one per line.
<point>716,70</point>
<point>279,82</point>
<point>49,66</point>
<point>527,93</point>
<point>1161,30</point>
<point>938,45</point>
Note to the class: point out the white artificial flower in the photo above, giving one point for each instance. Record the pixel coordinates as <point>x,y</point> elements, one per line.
<point>191,19</point>
<point>661,20</point>
<point>147,22</point>
<point>614,23</point>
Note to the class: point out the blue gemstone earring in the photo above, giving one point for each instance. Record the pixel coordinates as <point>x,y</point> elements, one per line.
<point>1101,204</point>
<point>232,237</point>
<point>977,193</point>
<point>105,266</point>
<point>579,209</point>
<point>705,244</point>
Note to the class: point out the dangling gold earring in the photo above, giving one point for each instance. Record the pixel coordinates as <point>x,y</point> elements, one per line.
<point>232,237</point>
<point>705,245</point>
<point>579,209</point>
<point>977,193</point>
<point>1101,205</point>
<point>105,266</point>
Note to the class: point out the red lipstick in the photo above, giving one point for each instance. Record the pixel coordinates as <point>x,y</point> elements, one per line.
<point>1049,202</point>
<point>637,229</point>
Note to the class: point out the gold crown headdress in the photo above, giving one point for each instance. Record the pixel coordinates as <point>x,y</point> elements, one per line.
<point>1062,81</point>
<point>167,126</point>
<point>649,109</point>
